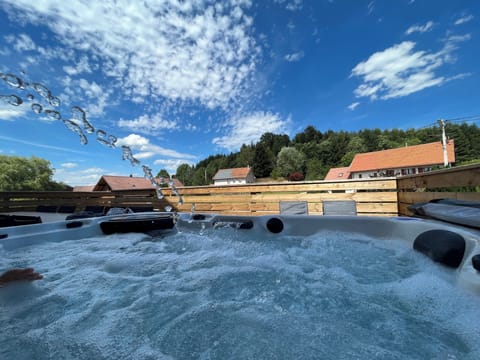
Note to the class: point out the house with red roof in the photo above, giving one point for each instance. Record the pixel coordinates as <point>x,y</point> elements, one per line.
<point>406,160</point>
<point>119,183</point>
<point>234,176</point>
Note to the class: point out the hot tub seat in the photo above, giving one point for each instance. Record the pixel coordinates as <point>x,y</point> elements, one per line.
<point>18,220</point>
<point>142,223</point>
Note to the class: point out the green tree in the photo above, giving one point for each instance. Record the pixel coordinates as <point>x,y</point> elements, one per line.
<point>199,177</point>
<point>163,173</point>
<point>309,135</point>
<point>384,143</point>
<point>246,156</point>
<point>274,142</point>
<point>356,145</point>
<point>27,174</point>
<point>185,174</point>
<point>315,169</point>
<point>290,160</point>
<point>263,161</point>
<point>339,142</point>
<point>370,138</point>
<point>346,159</point>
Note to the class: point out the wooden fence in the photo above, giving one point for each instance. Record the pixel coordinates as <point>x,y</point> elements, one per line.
<point>462,183</point>
<point>373,197</point>
<point>29,201</point>
<point>384,196</point>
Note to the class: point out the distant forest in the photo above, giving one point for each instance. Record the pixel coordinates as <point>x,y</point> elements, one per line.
<point>311,153</point>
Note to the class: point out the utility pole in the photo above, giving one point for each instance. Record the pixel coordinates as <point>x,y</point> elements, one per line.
<point>441,122</point>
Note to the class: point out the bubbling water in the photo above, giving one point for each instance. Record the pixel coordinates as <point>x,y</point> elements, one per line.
<point>229,295</point>
<point>75,123</point>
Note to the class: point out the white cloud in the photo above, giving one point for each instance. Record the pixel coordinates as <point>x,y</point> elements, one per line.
<point>171,165</point>
<point>249,128</point>
<point>353,105</point>
<point>147,124</point>
<point>134,141</point>
<point>189,50</point>
<point>142,150</point>
<point>10,113</point>
<point>291,26</point>
<point>81,91</point>
<point>464,19</point>
<point>420,28</point>
<point>82,66</point>
<point>23,43</point>
<point>292,5</point>
<point>400,70</point>
<point>147,150</point>
<point>69,165</point>
<point>295,56</point>
<point>89,176</point>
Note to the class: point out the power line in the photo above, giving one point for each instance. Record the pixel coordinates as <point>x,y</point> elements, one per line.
<point>465,119</point>
<point>427,126</point>
<point>472,118</point>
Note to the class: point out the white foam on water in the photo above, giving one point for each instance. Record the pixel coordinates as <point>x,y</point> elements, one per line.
<point>225,295</point>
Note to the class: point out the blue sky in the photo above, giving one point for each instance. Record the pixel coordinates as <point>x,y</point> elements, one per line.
<point>177,81</point>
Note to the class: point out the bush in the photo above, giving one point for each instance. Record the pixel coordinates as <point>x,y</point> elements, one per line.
<point>296,176</point>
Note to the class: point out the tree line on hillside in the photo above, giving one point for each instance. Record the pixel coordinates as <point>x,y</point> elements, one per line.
<point>311,153</point>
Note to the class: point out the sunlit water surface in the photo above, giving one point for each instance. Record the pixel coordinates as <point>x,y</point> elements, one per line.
<point>224,295</point>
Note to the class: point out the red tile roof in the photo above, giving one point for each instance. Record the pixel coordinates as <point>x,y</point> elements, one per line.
<point>177,183</point>
<point>409,156</point>
<point>83,188</point>
<point>114,183</point>
<point>236,173</point>
<point>340,173</point>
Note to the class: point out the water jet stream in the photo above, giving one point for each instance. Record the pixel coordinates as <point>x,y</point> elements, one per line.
<point>75,123</point>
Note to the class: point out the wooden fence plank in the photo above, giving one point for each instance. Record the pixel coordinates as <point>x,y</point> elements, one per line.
<point>454,177</point>
<point>415,197</point>
<point>388,183</point>
<point>445,183</point>
<point>357,196</point>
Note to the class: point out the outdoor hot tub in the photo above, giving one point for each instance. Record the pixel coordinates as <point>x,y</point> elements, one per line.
<point>218,287</point>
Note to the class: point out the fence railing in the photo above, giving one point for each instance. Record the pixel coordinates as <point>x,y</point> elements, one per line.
<point>382,197</point>
<point>30,200</point>
<point>461,183</point>
<point>373,196</point>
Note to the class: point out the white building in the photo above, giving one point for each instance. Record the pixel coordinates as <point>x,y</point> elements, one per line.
<point>406,160</point>
<point>234,176</point>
